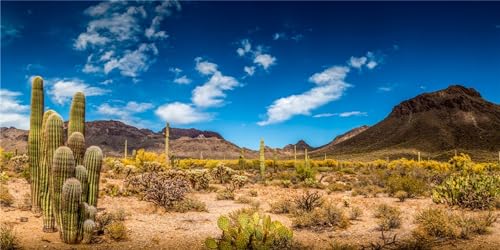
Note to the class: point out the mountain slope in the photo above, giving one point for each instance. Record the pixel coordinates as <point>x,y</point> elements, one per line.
<point>453,118</point>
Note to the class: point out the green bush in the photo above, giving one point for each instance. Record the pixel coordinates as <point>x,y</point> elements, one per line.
<point>116,230</point>
<point>389,217</point>
<point>188,204</point>
<point>412,186</point>
<point>254,231</point>
<point>8,239</point>
<point>326,216</point>
<point>6,199</point>
<point>282,206</point>
<point>474,191</point>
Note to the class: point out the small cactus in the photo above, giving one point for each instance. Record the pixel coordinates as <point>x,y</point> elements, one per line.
<point>88,231</point>
<point>76,142</point>
<point>262,160</point>
<point>35,139</point>
<point>71,197</point>
<point>93,162</point>
<point>77,114</point>
<point>81,175</point>
<point>63,167</point>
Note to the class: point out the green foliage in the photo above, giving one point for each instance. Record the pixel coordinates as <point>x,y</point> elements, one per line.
<point>188,204</point>
<point>222,174</point>
<point>8,238</point>
<point>413,187</point>
<point>225,194</point>
<point>251,231</point>
<point>469,190</point>
<point>238,181</point>
<point>326,216</point>
<point>116,230</point>
<point>304,171</point>
<point>6,199</point>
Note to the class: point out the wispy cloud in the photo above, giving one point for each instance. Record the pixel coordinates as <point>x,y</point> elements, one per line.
<point>182,80</point>
<point>12,111</point>
<point>126,113</point>
<point>258,55</point>
<point>62,90</point>
<point>385,89</point>
<point>343,114</point>
<point>182,113</point>
<point>369,61</point>
<point>122,36</point>
<point>9,33</point>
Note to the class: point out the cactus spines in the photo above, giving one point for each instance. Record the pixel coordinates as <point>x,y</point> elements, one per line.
<point>76,142</point>
<point>35,140</point>
<point>53,137</point>
<point>88,231</point>
<point>262,160</point>
<point>167,141</point>
<point>77,114</point>
<point>71,196</point>
<point>92,162</point>
<point>81,175</point>
<point>63,168</point>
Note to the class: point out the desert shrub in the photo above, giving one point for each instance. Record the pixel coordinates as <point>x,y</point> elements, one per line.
<point>413,187</point>
<point>367,191</point>
<point>4,178</point>
<point>471,225</point>
<point>188,204</point>
<point>116,230</point>
<point>244,199</point>
<point>199,179</point>
<point>342,246</point>
<point>8,239</point>
<point>338,187</point>
<point>308,201</point>
<point>401,195</point>
<point>304,171</point>
<point>104,219</point>
<point>114,190</point>
<point>225,194</point>
<point>238,181</point>
<point>286,183</point>
<point>6,199</point>
<point>474,191</point>
<point>222,174</point>
<point>355,213</point>
<point>18,163</point>
<point>253,193</point>
<point>251,231</point>
<point>326,216</point>
<point>389,217</point>
<point>282,206</point>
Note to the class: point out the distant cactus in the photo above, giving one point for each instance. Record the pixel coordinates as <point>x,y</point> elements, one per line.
<point>35,140</point>
<point>63,168</point>
<point>77,114</point>
<point>262,160</point>
<point>53,137</point>
<point>167,142</point>
<point>88,231</point>
<point>72,192</point>
<point>125,150</point>
<point>76,142</point>
<point>93,162</point>
<point>82,176</point>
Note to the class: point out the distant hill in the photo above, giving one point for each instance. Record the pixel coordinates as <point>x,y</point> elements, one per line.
<point>437,123</point>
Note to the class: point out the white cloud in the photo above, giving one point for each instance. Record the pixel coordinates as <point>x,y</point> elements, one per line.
<point>181,113</point>
<point>369,61</point>
<point>211,93</point>
<point>352,113</point>
<point>126,113</point>
<point>371,64</point>
<point>250,70</point>
<point>330,86</point>
<point>357,62</point>
<point>324,115</point>
<point>385,89</point>
<point>175,70</point>
<point>182,80</point>
<point>265,60</point>
<point>279,35</point>
<point>12,112</point>
<point>122,35</point>
<point>205,67</point>
<point>246,47</point>
<point>62,90</point>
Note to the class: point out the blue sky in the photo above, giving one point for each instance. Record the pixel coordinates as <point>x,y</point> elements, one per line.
<point>283,71</point>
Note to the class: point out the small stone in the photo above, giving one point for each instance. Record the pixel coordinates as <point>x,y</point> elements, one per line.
<point>23,219</point>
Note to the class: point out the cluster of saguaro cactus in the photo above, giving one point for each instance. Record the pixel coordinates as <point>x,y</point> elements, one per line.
<point>262,160</point>
<point>64,179</point>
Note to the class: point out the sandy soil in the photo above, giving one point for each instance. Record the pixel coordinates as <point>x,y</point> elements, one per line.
<point>151,228</point>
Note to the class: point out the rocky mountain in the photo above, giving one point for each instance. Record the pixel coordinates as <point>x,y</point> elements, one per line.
<point>300,145</point>
<point>442,121</point>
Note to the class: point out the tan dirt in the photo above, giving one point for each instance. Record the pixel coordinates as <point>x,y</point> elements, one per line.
<point>152,228</point>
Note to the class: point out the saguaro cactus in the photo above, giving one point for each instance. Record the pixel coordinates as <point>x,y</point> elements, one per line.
<point>72,192</point>
<point>76,142</point>
<point>92,162</point>
<point>262,160</point>
<point>53,137</point>
<point>77,114</point>
<point>63,167</point>
<point>35,140</point>
<point>81,175</point>
<point>167,142</point>
<point>125,150</point>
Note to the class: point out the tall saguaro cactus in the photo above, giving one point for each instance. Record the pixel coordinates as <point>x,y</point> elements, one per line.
<point>81,175</point>
<point>295,156</point>
<point>71,197</point>
<point>92,162</point>
<point>262,159</point>
<point>76,142</point>
<point>125,150</point>
<point>35,140</point>
<point>77,114</point>
<point>63,168</point>
<point>167,142</point>
<point>53,137</point>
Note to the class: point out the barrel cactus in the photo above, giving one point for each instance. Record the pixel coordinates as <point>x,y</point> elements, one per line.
<point>77,114</point>
<point>81,175</point>
<point>88,231</point>
<point>35,140</point>
<point>63,167</point>
<point>93,162</point>
<point>71,197</point>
